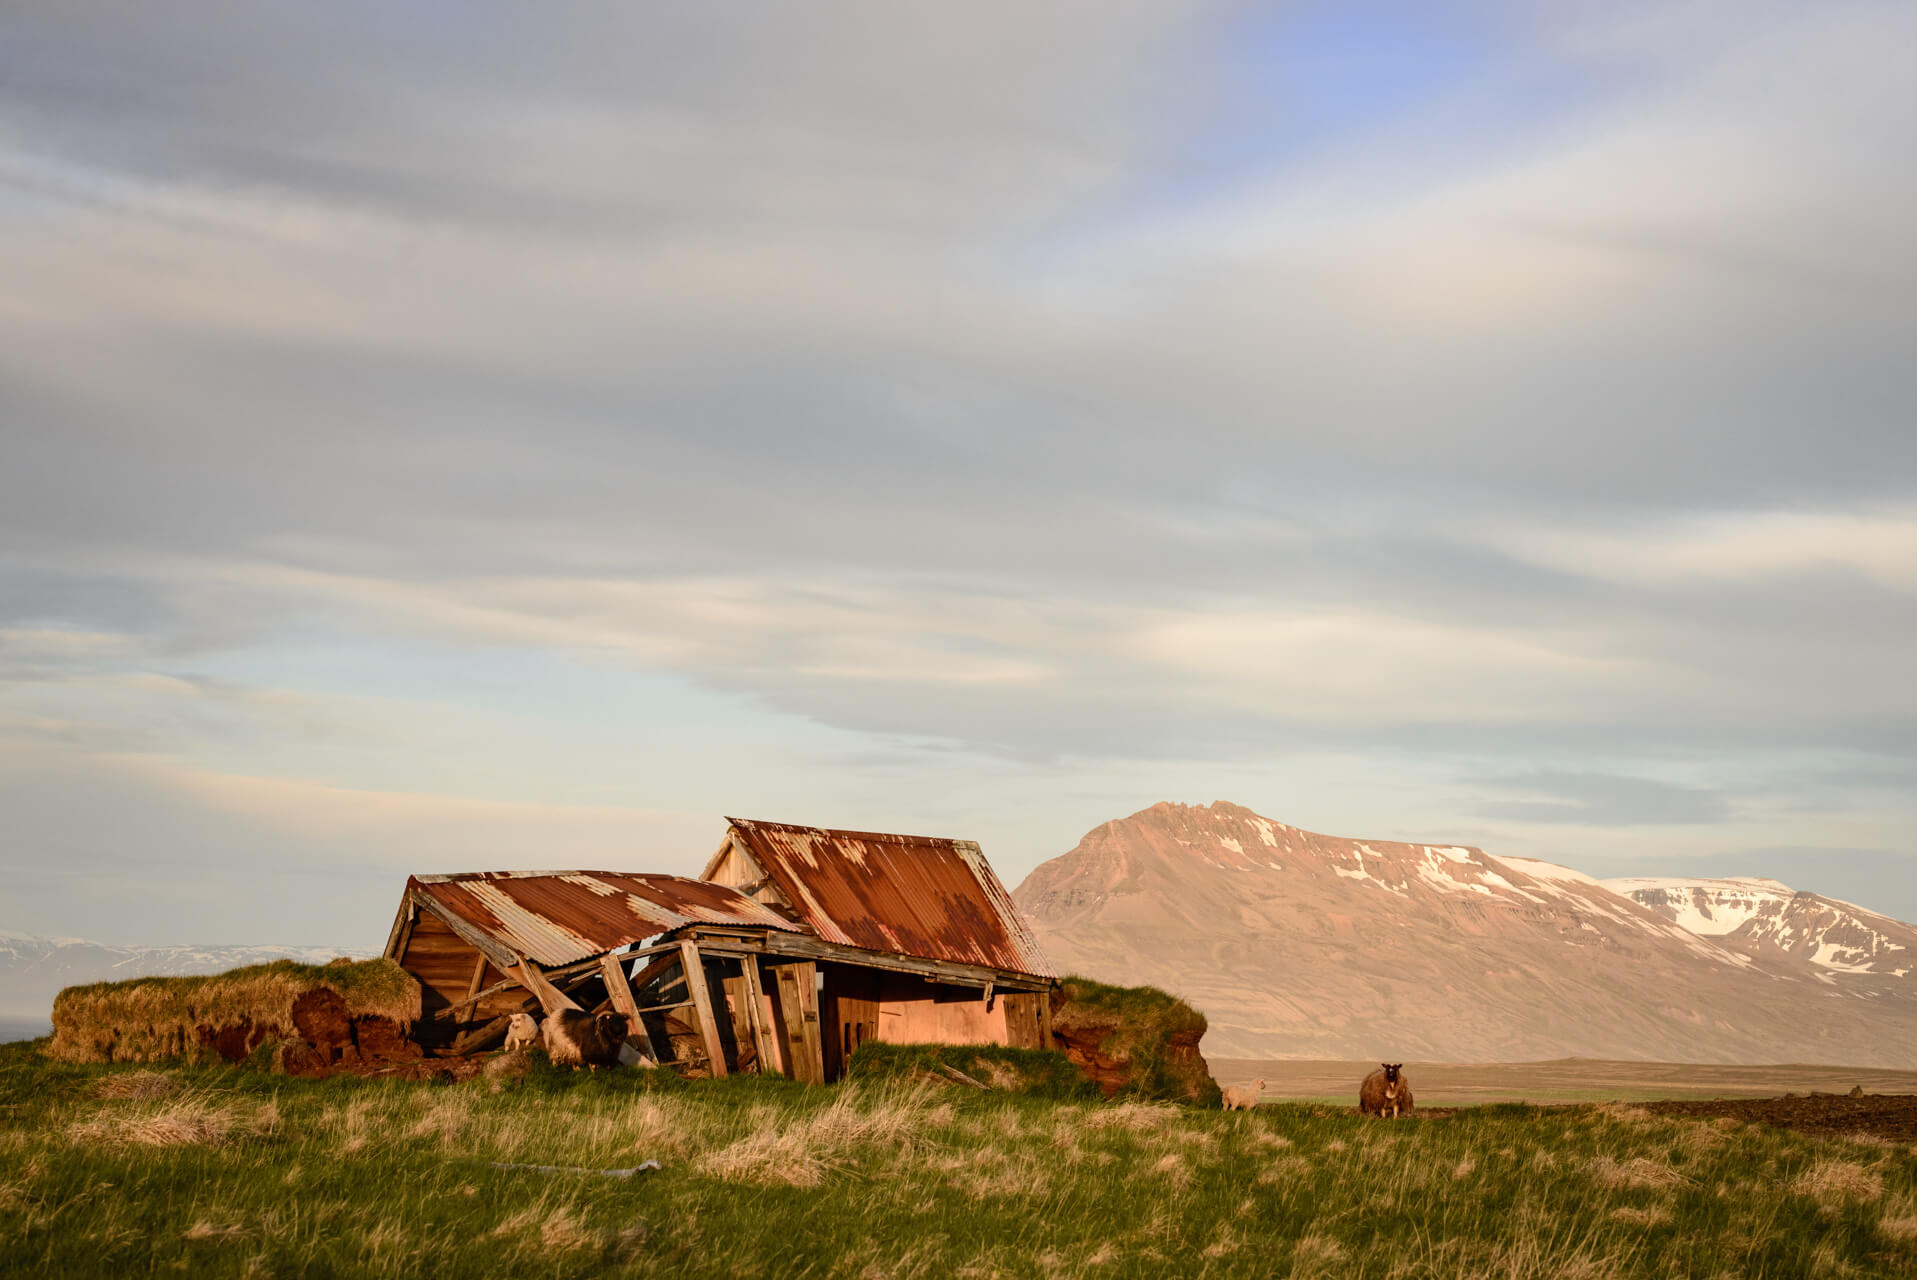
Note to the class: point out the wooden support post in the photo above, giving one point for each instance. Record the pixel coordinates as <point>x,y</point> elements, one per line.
<point>662,1047</point>
<point>1045,1020</point>
<point>402,929</point>
<point>799,1002</point>
<point>551,998</point>
<point>736,998</point>
<point>613,969</point>
<point>702,1008</point>
<point>762,1045</point>
<point>479,976</point>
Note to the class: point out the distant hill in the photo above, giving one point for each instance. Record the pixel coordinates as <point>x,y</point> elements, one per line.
<point>32,970</point>
<point>1302,945</point>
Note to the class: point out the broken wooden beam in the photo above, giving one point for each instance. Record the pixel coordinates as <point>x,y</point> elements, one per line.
<point>702,1007</point>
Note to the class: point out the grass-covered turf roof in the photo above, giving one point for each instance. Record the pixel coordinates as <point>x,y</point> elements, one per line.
<point>145,1019</point>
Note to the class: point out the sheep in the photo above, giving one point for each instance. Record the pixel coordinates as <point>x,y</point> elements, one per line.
<point>522,1032</point>
<point>581,1039</point>
<point>1385,1092</point>
<point>1243,1097</point>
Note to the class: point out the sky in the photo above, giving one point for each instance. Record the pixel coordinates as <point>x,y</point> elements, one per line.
<point>445,437</point>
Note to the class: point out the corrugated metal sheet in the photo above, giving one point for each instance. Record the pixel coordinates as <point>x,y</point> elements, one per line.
<point>909,895</point>
<point>558,917</point>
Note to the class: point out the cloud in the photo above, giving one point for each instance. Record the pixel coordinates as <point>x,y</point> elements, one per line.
<point>1603,800</point>
<point>183,854</point>
<point>914,386</point>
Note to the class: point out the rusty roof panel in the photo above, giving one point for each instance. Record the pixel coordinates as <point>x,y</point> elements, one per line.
<point>910,895</point>
<point>558,917</point>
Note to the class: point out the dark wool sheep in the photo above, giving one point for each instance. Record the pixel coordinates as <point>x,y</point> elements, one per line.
<point>583,1040</point>
<point>1385,1091</point>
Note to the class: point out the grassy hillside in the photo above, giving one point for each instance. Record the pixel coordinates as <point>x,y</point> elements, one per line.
<point>226,1172</point>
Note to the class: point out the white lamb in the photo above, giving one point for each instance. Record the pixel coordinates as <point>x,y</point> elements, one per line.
<point>522,1032</point>
<point>1243,1097</point>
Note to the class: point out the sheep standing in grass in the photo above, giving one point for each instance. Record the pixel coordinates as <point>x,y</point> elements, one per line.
<point>1385,1092</point>
<point>522,1032</point>
<point>1243,1097</point>
<point>582,1040</point>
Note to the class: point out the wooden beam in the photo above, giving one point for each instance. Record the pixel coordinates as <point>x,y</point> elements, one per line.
<point>485,1036</point>
<point>799,1001</point>
<point>644,978</point>
<point>566,982</point>
<point>702,1007</point>
<point>800,946</point>
<point>762,1045</point>
<point>551,998</point>
<point>614,971</point>
<point>479,976</point>
<point>736,997</point>
<point>402,928</point>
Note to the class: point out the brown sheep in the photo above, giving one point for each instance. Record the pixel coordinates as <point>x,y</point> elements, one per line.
<point>583,1040</point>
<point>1385,1092</point>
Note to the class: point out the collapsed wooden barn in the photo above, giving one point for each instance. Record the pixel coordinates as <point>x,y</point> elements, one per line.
<point>802,943</point>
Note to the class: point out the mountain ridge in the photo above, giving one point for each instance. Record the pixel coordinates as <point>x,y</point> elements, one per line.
<point>1299,944</point>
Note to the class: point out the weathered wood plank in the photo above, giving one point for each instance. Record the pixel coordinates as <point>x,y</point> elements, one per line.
<point>762,1044</point>
<point>479,976</point>
<point>551,998</point>
<point>745,1053</point>
<point>777,942</point>
<point>402,927</point>
<point>798,998</point>
<point>702,1007</point>
<point>613,970</point>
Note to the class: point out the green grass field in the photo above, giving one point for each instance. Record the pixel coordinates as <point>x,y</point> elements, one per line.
<point>1449,1084</point>
<point>111,1171</point>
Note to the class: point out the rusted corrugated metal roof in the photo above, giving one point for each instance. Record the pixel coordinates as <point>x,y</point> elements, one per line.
<point>558,917</point>
<point>908,895</point>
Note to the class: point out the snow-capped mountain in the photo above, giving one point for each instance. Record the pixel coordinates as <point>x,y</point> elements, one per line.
<point>33,970</point>
<point>1297,944</point>
<point>1768,920</point>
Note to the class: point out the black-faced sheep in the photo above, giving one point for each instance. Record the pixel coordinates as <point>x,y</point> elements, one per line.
<point>1385,1092</point>
<point>578,1039</point>
<point>522,1032</point>
<point>1243,1097</point>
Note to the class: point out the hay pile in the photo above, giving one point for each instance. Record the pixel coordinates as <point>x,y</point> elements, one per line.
<point>307,1015</point>
<point>1134,1041</point>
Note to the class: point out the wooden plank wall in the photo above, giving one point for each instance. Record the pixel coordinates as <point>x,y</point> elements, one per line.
<point>848,1014</point>
<point>443,963</point>
<point>908,1016</point>
<point>1022,1029</point>
<point>868,1004</point>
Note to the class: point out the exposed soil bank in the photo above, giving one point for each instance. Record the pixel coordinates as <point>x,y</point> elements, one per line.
<point>1891,1116</point>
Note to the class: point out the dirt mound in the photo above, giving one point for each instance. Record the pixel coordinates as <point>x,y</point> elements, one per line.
<point>1135,1041</point>
<point>1882,1115</point>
